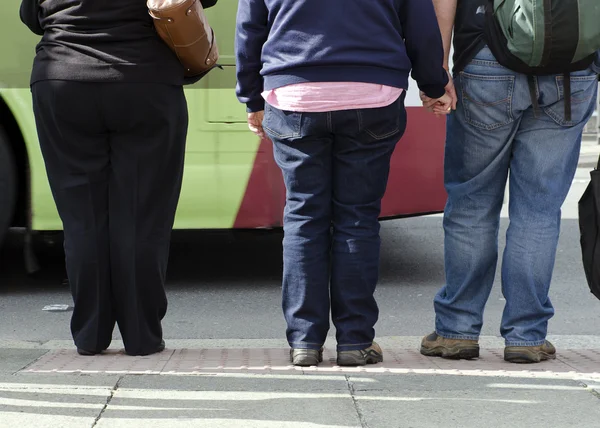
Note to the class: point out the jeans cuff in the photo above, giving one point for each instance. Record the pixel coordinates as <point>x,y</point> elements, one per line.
<point>457,336</point>
<point>354,346</point>
<point>306,345</point>
<point>525,343</point>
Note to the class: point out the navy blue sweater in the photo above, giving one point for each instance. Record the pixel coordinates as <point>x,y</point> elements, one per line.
<point>283,42</point>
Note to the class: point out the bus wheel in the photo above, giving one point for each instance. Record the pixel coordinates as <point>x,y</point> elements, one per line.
<point>8,185</point>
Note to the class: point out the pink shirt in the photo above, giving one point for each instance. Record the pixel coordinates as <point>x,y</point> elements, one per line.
<point>331,96</point>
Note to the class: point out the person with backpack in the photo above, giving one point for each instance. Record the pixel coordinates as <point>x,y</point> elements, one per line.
<point>525,93</point>
<point>334,76</point>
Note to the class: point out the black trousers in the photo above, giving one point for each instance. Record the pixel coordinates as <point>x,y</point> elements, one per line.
<point>114,155</point>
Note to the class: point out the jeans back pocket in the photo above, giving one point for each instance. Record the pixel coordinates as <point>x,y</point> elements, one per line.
<point>583,92</point>
<point>282,124</point>
<point>382,122</point>
<point>487,100</point>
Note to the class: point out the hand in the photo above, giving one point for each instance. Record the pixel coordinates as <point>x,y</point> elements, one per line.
<point>439,106</point>
<point>443,105</point>
<point>255,121</point>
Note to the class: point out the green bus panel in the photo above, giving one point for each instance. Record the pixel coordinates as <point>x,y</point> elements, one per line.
<point>220,150</point>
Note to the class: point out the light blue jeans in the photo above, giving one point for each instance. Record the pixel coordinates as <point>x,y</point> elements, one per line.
<point>493,132</point>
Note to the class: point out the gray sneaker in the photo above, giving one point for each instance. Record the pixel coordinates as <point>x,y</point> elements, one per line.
<point>371,355</point>
<point>306,357</point>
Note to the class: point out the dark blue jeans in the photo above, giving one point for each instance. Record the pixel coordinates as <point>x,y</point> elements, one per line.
<point>335,166</point>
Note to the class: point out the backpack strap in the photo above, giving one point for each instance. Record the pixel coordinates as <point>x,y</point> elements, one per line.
<point>567,95</point>
<point>534,97</point>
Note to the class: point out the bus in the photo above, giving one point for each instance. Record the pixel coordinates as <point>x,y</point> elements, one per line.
<point>231,180</point>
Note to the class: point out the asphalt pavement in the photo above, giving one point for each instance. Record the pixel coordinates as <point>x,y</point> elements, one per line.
<point>225,363</point>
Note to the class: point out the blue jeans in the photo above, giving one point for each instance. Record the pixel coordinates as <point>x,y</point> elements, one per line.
<point>494,131</point>
<point>335,167</point>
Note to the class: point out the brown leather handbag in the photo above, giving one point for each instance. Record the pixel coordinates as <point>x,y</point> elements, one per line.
<point>183,26</point>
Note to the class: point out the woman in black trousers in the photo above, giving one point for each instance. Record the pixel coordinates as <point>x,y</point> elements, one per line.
<point>112,121</point>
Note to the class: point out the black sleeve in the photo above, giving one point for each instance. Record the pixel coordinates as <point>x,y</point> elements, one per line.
<point>596,64</point>
<point>29,13</point>
<point>208,3</point>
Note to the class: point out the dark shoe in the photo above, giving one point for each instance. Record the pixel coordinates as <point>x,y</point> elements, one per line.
<point>530,354</point>
<point>371,355</point>
<point>306,357</point>
<point>435,345</point>
<point>160,348</point>
<point>86,353</point>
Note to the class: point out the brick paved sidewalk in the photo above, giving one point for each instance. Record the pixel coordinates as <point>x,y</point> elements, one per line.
<point>570,364</point>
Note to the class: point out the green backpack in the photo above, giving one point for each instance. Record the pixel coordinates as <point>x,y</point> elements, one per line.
<point>542,37</point>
